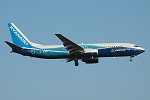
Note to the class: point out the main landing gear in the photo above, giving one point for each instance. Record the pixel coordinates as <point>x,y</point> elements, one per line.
<point>76,62</point>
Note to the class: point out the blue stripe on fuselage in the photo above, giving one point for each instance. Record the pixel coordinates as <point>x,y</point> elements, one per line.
<point>60,52</point>
<point>49,54</point>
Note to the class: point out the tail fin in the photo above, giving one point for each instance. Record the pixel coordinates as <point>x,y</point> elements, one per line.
<point>18,37</point>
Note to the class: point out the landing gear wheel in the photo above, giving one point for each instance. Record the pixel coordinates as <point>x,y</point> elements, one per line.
<point>130,58</point>
<point>76,63</point>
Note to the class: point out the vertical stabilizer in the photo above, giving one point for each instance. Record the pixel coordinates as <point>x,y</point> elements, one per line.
<point>18,37</point>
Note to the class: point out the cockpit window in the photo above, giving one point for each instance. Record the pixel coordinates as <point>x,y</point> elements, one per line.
<point>136,46</point>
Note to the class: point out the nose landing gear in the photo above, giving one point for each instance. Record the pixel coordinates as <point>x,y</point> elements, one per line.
<point>130,58</point>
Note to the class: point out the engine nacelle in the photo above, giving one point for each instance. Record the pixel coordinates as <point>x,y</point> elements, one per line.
<point>90,60</point>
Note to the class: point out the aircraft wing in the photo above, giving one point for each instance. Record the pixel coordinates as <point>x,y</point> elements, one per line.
<point>72,47</point>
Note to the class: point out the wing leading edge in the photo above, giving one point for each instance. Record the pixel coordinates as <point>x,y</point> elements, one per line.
<point>71,47</point>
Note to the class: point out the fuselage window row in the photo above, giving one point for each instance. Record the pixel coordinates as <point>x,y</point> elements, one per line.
<point>83,47</point>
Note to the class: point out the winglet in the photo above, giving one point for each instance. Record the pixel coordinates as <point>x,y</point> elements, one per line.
<point>62,38</point>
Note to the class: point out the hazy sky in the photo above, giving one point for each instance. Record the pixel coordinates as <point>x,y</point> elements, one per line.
<point>82,21</point>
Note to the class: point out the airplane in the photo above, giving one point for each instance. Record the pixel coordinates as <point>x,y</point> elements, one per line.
<point>70,51</point>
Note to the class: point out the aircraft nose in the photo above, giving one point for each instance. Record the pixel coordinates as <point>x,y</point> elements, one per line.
<point>142,50</point>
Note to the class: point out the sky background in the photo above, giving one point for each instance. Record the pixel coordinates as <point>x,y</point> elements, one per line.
<point>82,21</point>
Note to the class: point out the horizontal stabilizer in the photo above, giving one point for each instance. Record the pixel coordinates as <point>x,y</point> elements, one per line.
<point>13,46</point>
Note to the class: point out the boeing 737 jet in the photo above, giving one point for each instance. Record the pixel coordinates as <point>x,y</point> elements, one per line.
<point>70,51</point>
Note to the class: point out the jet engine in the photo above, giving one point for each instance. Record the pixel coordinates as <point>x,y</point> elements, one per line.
<point>90,60</point>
